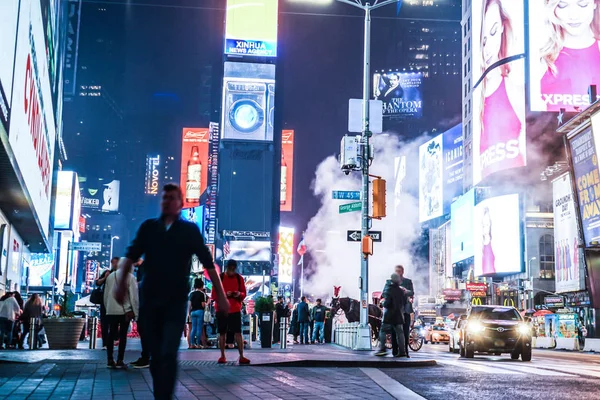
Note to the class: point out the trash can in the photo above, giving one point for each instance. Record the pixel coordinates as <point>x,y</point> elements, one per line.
<point>84,330</point>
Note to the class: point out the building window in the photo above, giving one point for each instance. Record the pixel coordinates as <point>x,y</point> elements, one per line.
<point>547,257</point>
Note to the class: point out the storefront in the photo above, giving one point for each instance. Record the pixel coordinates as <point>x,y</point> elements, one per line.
<point>580,304</point>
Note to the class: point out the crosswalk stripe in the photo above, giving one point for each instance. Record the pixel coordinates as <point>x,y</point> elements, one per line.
<point>531,370</point>
<point>578,370</point>
<point>479,367</point>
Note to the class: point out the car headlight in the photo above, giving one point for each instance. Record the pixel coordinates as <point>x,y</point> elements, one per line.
<point>524,329</point>
<point>475,327</point>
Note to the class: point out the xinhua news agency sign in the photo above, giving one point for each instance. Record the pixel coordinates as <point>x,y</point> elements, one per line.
<point>152,174</point>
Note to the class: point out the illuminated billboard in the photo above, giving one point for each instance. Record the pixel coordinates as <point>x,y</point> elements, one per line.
<point>194,165</point>
<point>40,269</point>
<point>498,87</point>
<point>152,182</point>
<point>248,101</point>
<point>243,250</point>
<point>9,11</point>
<point>195,215</point>
<point>400,92</point>
<point>564,53</point>
<point>584,156</point>
<point>461,227</point>
<point>32,130</point>
<point>568,256</point>
<point>251,28</point>
<point>440,173</point>
<point>286,254</point>
<point>497,236</point>
<point>99,194</point>
<point>64,200</point>
<point>287,170</point>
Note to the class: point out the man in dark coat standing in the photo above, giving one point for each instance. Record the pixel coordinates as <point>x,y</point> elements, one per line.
<point>393,315</point>
<point>407,286</point>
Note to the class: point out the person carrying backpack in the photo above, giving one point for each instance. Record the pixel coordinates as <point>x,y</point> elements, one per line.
<point>235,290</point>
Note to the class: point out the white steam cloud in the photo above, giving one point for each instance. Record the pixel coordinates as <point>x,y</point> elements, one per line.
<point>336,262</point>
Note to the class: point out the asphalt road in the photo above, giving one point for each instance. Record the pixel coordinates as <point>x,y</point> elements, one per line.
<point>550,375</point>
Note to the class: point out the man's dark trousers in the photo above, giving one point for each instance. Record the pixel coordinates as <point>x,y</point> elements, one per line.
<point>406,331</point>
<point>164,325</point>
<point>141,327</point>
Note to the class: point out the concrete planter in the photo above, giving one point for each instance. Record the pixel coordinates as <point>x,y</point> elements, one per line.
<point>63,333</point>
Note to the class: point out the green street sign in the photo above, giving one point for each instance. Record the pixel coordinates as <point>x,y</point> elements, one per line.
<point>350,207</point>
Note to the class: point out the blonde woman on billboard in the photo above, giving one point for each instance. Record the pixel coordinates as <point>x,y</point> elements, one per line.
<point>571,55</point>
<point>488,260</point>
<point>502,138</point>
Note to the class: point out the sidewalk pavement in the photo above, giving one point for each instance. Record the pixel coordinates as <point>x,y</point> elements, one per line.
<point>82,374</point>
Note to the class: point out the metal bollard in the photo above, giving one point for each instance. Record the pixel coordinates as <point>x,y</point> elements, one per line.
<point>283,327</point>
<point>94,333</point>
<point>32,332</point>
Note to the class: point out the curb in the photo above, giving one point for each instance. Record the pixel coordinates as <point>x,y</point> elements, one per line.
<point>350,364</point>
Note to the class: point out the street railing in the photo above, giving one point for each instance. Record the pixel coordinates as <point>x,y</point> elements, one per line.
<point>346,334</point>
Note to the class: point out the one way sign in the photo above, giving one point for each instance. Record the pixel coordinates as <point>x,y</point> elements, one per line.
<point>354,236</point>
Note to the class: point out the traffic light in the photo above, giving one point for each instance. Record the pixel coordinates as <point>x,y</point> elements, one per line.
<point>379,198</point>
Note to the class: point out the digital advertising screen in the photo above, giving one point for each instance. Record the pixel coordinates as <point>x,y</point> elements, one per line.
<point>568,256</point>
<point>32,130</point>
<point>440,173</point>
<point>287,170</point>
<point>251,28</point>
<point>286,255</point>
<point>64,200</point>
<point>9,15</point>
<point>195,215</point>
<point>564,53</point>
<point>245,250</point>
<point>587,181</point>
<point>497,236</point>
<point>40,269</point>
<point>194,165</point>
<point>152,181</point>
<point>498,87</point>
<point>248,101</point>
<point>461,227</point>
<point>400,92</point>
<point>100,194</point>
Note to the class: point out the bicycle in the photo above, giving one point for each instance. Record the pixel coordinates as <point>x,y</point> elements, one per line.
<point>416,338</point>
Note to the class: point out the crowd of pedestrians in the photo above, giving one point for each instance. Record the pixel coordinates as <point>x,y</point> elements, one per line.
<point>15,320</point>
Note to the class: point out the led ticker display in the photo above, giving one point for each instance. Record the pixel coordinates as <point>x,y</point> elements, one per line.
<point>287,170</point>
<point>498,87</point>
<point>564,53</point>
<point>251,28</point>
<point>194,165</point>
<point>286,254</point>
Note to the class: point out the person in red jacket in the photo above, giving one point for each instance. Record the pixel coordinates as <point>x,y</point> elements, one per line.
<point>235,289</point>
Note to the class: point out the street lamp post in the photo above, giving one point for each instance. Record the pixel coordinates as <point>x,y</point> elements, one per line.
<point>364,330</point>
<point>112,239</point>
<point>530,277</point>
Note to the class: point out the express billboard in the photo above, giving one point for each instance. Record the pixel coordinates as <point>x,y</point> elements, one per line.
<point>564,53</point>
<point>251,28</point>
<point>461,227</point>
<point>497,236</point>
<point>287,170</point>
<point>286,254</point>
<point>400,92</point>
<point>152,182</point>
<point>99,194</point>
<point>568,256</point>
<point>587,182</point>
<point>32,131</point>
<point>194,165</point>
<point>40,269</point>
<point>440,173</point>
<point>248,101</point>
<point>498,89</point>
<point>9,14</point>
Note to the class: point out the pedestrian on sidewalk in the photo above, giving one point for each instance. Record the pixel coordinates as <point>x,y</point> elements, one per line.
<point>393,316</point>
<point>196,308</point>
<point>407,286</point>
<point>144,360</point>
<point>281,312</point>
<point>303,320</point>
<point>318,315</point>
<point>9,312</point>
<point>100,283</point>
<point>33,308</point>
<point>168,243</point>
<point>294,324</point>
<point>119,316</point>
<point>235,290</point>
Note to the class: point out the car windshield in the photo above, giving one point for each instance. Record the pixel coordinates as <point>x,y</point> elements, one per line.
<point>499,313</point>
<point>439,328</point>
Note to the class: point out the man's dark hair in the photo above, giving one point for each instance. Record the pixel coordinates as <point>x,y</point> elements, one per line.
<point>231,263</point>
<point>318,300</point>
<point>115,258</point>
<point>303,298</point>
<point>172,187</point>
<point>198,283</point>
<point>279,298</point>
